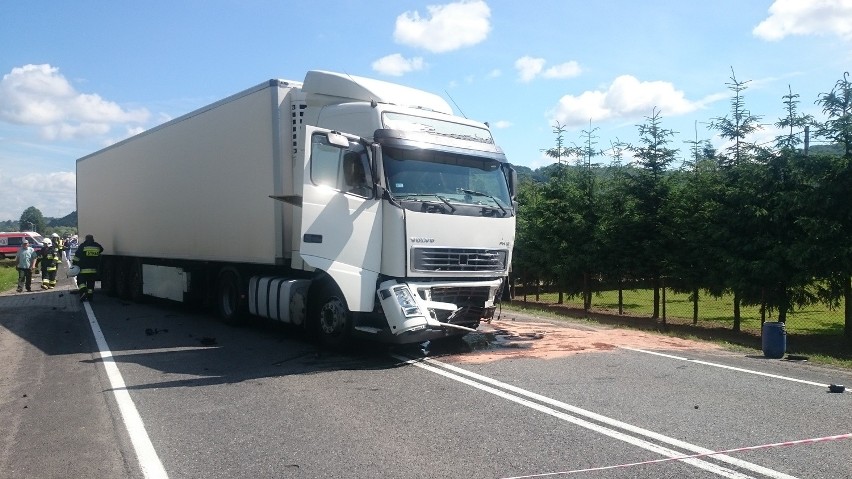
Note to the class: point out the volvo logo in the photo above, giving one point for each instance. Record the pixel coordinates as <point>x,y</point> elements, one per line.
<point>415,239</point>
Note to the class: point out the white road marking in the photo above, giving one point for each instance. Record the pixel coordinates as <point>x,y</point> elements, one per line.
<point>149,462</point>
<point>445,370</point>
<point>732,368</point>
<point>669,459</point>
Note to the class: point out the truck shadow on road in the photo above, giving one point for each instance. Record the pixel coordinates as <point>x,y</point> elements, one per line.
<point>168,346</point>
<point>165,345</point>
<point>46,320</point>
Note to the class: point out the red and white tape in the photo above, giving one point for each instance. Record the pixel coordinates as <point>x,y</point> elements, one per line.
<point>691,456</point>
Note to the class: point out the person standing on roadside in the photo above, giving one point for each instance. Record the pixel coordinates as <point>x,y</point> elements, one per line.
<point>26,264</point>
<point>87,258</point>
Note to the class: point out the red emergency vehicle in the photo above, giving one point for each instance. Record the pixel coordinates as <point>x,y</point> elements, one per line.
<point>10,243</point>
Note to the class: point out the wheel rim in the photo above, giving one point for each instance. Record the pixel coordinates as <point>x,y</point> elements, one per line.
<point>333,317</point>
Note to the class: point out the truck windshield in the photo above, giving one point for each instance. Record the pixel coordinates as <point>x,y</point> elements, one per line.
<point>452,178</point>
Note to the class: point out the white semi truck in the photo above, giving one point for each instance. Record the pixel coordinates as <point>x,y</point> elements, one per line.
<point>343,204</point>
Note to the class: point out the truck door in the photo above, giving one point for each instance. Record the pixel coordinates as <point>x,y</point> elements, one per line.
<point>341,217</point>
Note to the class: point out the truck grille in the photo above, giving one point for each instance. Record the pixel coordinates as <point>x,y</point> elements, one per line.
<point>470,299</point>
<point>458,259</point>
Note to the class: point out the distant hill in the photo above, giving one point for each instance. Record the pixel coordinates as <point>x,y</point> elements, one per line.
<point>68,220</point>
<point>830,150</point>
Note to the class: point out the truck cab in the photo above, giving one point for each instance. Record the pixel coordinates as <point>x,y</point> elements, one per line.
<point>425,250</point>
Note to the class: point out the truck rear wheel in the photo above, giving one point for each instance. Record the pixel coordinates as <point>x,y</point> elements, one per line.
<point>229,297</point>
<point>121,279</point>
<point>108,276</point>
<point>332,317</point>
<point>134,267</point>
<point>126,278</point>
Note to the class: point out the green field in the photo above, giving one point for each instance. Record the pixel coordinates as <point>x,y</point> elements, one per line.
<point>712,312</point>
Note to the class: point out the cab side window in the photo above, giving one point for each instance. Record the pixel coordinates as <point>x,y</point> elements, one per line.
<point>346,170</point>
<point>325,163</point>
<point>356,174</point>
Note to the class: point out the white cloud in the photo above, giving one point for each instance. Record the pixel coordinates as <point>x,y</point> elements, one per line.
<point>397,65</point>
<point>502,124</point>
<point>68,131</point>
<point>529,68</point>
<point>54,194</point>
<point>129,131</point>
<point>495,73</point>
<point>446,28</point>
<point>38,95</point>
<point>806,17</point>
<point>566,70</point>
<point>626,98</point>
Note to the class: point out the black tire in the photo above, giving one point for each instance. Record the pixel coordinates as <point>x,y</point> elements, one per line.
<point>108,276</point>
<point>331,317</point>
<point>121,278</point>
<point>230,300</point>
<point>134,267</point>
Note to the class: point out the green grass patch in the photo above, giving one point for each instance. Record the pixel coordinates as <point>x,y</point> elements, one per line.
<point>712,312</point>
<point>8,274</point>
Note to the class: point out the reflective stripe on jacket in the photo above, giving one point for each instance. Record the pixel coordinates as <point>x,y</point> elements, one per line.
<point>87,257</point>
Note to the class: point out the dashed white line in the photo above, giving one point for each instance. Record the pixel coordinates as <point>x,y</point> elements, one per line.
<point>723,366</point>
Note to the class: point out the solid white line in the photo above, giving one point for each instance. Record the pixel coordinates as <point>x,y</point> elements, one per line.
<point>149,462</point>
<point>613,422</point>
<point>722,471</point>
<point>732,368</point>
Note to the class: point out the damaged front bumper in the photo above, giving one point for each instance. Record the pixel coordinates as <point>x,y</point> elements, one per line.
<point>423,311</point>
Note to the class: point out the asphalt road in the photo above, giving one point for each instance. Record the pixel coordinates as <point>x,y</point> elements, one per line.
<point>151,390</point>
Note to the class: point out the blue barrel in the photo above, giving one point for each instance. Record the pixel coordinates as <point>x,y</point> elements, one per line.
<point>774,340</point>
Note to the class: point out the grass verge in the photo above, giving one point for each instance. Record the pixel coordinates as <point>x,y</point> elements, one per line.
<point>8,274</point>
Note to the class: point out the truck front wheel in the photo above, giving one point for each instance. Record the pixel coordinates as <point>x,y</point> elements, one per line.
<point>333,319</point>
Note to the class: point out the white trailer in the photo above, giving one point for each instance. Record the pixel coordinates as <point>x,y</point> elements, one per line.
<point>344,204</point>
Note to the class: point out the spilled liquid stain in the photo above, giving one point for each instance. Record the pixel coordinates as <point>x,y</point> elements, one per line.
<point>512,338</point>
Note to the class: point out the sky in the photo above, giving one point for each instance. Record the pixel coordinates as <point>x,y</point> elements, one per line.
<point>79,76</point>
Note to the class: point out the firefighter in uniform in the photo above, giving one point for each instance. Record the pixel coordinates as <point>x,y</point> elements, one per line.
<point>87,258</point>
<point>48,259</point>
<point>60,248</point>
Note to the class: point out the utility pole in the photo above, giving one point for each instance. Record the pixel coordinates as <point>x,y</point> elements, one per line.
<point>807,139</point>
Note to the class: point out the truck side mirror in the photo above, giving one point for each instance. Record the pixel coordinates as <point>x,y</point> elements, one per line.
<point>338,140</point>
<point>511,180</point>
